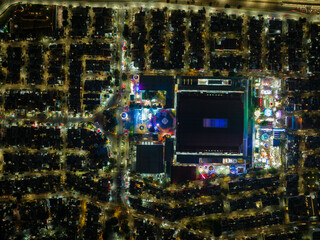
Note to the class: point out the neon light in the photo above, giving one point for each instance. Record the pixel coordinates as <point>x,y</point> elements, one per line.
<point>268,112</point>
<point>279,114</point>
<point>266,92</point>
<point>215,123</point>
<point>279,129</point>
<point>266,129</point>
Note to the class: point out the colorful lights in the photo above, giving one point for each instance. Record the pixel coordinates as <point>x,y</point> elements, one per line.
<point>265,137</point>
<point>136,77</point>
<point>257,113</point>
<point>270,119</point>
<point>270,105</point>
<point>266,129</point>
<point>124,115</point>
<point>266,92</point>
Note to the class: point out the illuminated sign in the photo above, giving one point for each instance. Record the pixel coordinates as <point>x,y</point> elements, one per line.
<point>265,137</point>
<point>136,77</point>
<point>268,112</point>
<point>124,115</point>
<point>266,92</point>
<point>266,129</point>
<point>240,161</point>
<point>215,82</point>
<point>215,123</point>
<point>229,160</point>
<point>266,82</point>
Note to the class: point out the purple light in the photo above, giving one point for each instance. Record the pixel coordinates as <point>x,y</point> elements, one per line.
<point>279,114</point>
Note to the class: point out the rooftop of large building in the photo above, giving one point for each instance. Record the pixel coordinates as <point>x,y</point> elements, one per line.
<point>209,122</point>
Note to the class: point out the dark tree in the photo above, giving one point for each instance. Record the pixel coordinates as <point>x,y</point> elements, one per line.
<point>124,77</point>
<point>217,229</point>
<point>110,120</point>
<point>116,74</point>
<point>217,74</point>
<point>117,82</point>
<point>126,32</point>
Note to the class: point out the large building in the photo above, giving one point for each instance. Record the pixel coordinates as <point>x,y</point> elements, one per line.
<point>212,124</point>
<point>150,158</point>
<point>209,122</point>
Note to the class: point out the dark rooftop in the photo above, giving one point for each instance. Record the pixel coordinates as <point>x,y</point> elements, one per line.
<point>182,174</point>
<point>209,122</point>
<point>150,159</point>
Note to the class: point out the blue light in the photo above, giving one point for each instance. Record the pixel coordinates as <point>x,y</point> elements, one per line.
<point>268,112</point>
<point>215,123</point>
<point>124,115</point>
<point>279,129</point>
<point>265,137</point>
